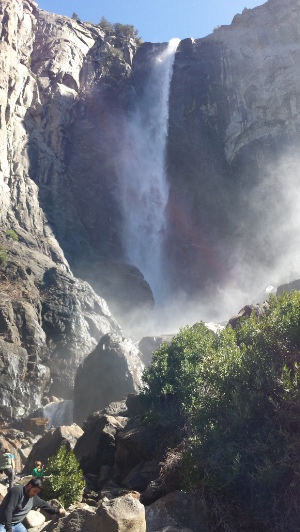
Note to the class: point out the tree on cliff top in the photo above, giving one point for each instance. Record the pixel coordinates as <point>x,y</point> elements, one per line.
<point>125,31</point>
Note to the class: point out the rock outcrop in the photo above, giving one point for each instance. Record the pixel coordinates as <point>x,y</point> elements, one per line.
<point>49,321</point>
<point>112,371</point>
<point>50,444</point>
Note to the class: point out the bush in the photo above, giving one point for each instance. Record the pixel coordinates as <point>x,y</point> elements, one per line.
<point>12,234</point>
<point>105,26</point>
<point>125,30</point>
<point>122,31</point>
<point>235,397</point>
<point>64,478</point>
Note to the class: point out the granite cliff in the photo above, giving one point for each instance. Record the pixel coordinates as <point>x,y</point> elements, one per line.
<point>233,151</point>
<point>67,88</point>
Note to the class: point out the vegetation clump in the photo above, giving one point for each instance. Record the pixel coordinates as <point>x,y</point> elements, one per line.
<point>63,479</point>
<point>124,31</point>
<point>233,400</point>
<point>11,233</point>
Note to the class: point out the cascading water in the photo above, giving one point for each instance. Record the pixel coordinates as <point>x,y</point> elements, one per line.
<point>142,175</point>
<point>59,413</point>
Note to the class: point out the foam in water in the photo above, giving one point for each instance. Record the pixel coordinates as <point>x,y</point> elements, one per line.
<point>142,175</point>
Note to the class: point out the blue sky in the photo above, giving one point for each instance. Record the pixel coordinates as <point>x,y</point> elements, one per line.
<point>156,20</point>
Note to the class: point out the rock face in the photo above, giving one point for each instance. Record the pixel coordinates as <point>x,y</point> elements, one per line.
<point>109,373</point>
<point>50,68</point>
<point>233,137</point>
<point>49,321</point>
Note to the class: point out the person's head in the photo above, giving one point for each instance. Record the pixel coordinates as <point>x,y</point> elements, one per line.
<point>33,487</point>
<point>6,450</point>
<point>38,464</point>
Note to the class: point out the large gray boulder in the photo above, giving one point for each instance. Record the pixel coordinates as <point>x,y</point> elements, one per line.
<point>112,371</point>
<point>122,514</point>
<point>50,444</point>
<point>185,512</point>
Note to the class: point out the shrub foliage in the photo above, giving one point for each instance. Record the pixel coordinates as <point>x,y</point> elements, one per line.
<point>11,233</point>
<point>64,478</point>
<point>236,398</point>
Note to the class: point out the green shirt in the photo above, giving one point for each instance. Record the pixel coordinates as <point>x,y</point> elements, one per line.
<point>38,472</point>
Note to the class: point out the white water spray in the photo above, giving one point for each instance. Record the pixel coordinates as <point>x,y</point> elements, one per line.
<point>142,175</point>
<point>59,413</point>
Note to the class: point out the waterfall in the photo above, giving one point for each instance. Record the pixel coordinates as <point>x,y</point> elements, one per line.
<point>142,175</point>
<point>59,413</point>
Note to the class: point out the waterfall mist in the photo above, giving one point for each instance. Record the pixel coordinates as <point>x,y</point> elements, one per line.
<point>140,167</point>
<point>271,225</point>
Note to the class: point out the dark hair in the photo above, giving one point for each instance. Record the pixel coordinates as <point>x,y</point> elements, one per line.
<point>6,450</point>
<point>35,483</point>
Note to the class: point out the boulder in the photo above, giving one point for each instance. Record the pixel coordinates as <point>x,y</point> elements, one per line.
<point>137,446</point>
<point>178,511</point>
<point>148,344</point>
<point>34,519</point>
<point>79,519</point>
<point>50,444</point>
<point>141,475</point>
<point>112,371</point>
<point>96,447</point>
<point>246,311</point>
<point>35,425</point>
<point>121,515</point>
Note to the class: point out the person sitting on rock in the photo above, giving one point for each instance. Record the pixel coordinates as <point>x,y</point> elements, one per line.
<point>38,470</point>
<point>18,501</point>
<point>7,465</point>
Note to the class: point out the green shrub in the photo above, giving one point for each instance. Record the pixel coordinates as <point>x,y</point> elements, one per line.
<point>63,479</point>
<point>3,255</point>
<point>235,397</point>
<point>106,26</point>
<point>125,30</point>
<point>12,234</point>
<point>122,31</point>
